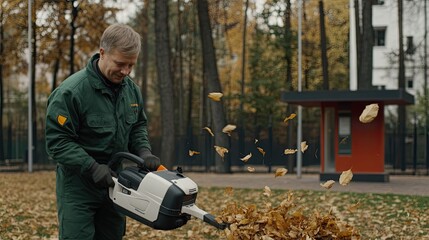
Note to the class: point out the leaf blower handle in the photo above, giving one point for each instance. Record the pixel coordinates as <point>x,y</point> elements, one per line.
<point>117,158</point>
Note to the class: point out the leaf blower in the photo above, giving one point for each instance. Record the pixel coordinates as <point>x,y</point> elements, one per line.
<point>161,199</point>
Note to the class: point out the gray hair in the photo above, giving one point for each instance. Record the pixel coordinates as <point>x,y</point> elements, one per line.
<point>122,38</point>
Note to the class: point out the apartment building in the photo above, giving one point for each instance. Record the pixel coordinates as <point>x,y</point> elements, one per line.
<point>386,45</point>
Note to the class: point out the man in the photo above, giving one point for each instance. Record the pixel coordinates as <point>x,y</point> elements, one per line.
<point>93,114</point>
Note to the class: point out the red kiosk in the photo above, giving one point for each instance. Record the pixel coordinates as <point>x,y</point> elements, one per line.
<point>345,142</point>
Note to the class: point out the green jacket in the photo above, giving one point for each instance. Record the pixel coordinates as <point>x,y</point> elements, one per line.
<point>87,121</point>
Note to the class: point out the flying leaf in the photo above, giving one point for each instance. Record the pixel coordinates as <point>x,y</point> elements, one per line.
<point>304,146</point>
<point>246,158</point>
<point>250,169</point>
<point>256,141</point>
<point>209,130</point>
<point>328,184</point>
<point>280,172</point>
<point>261,150</point>
<point>346,177</point>
<point>192,153</point>
<point>344,140</point>
<point>267,191</point>
<point>228,129</point>
<point>290,151</point>
<point>215,96</point>
<point>369,113</point>
<point>221,151</point>
<point>290,117</point>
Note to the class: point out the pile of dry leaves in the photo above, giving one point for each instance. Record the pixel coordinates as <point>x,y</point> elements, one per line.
<point>286,221</point>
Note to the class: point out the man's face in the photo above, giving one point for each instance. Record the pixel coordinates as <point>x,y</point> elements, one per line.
<point>116,65</point>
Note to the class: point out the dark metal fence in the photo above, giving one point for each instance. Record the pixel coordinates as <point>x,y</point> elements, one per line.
<point>273,146</point>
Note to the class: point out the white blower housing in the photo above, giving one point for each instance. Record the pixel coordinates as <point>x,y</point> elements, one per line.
<point>162,199</point>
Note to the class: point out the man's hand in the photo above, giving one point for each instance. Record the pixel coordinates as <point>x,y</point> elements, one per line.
<point>101,175</point>
<point>151,162</point>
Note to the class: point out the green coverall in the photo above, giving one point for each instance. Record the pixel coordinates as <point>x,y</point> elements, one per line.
<point>89,121</point>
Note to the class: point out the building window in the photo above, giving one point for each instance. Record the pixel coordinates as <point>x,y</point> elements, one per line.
<point>410,83</point>
<point>344,132</point>
<point>410,46</point>
<point>377,2</point>
<point>380,36</point>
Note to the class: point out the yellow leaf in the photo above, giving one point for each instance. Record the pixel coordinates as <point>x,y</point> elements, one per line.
<point>250,169</point>
<point>344,140</point>
<point>267,191</point>
<point>192,153</point>
<point>353,207</point>
<point>280,172</point>
<point>229,191</point>
<point>369,113</point>
<point>290,117</point>
<point>328,184</point>
<point>221,151</point>
<point>215,96</point>
<point>228,129</point>
<point>290,151</point>
<point>304,146</point>
<point>261,151</point>
<point>209,130</point>
<point>246,158</point>
<point>346,177</point>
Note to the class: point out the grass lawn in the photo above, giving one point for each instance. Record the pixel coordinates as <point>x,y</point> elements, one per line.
<point>28,210</point>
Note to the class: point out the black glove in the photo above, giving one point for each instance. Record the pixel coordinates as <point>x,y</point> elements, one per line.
<point>101,175</point>
<point>151,162</point>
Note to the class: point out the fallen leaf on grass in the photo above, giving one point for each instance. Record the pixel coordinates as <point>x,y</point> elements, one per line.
<point>353,207</point>
<point>251,169</point>
<point>346,177</point>
<point>267,191</point>
<point>229,191</point>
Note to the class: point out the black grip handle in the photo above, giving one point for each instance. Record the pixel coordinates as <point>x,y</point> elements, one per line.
<point>118,157</point>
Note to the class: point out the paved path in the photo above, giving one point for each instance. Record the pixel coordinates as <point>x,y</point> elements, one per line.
<point>398,184</point>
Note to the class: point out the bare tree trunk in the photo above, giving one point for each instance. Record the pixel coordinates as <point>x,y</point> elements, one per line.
<point>241,132</point>
<point>33,83</point>
<point>289,85</point>
<point>367,43</point>
<point>323,46</point>
<point>1,85</point>
<point>165,82</point>
<point>210,74</point>
<point>401,85</point>
<point>179,50</point>
<point>358,37</point>
<point>145,50</point>
<point>75,11</point>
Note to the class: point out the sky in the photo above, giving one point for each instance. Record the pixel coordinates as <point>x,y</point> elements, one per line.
<point>129,9</point>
